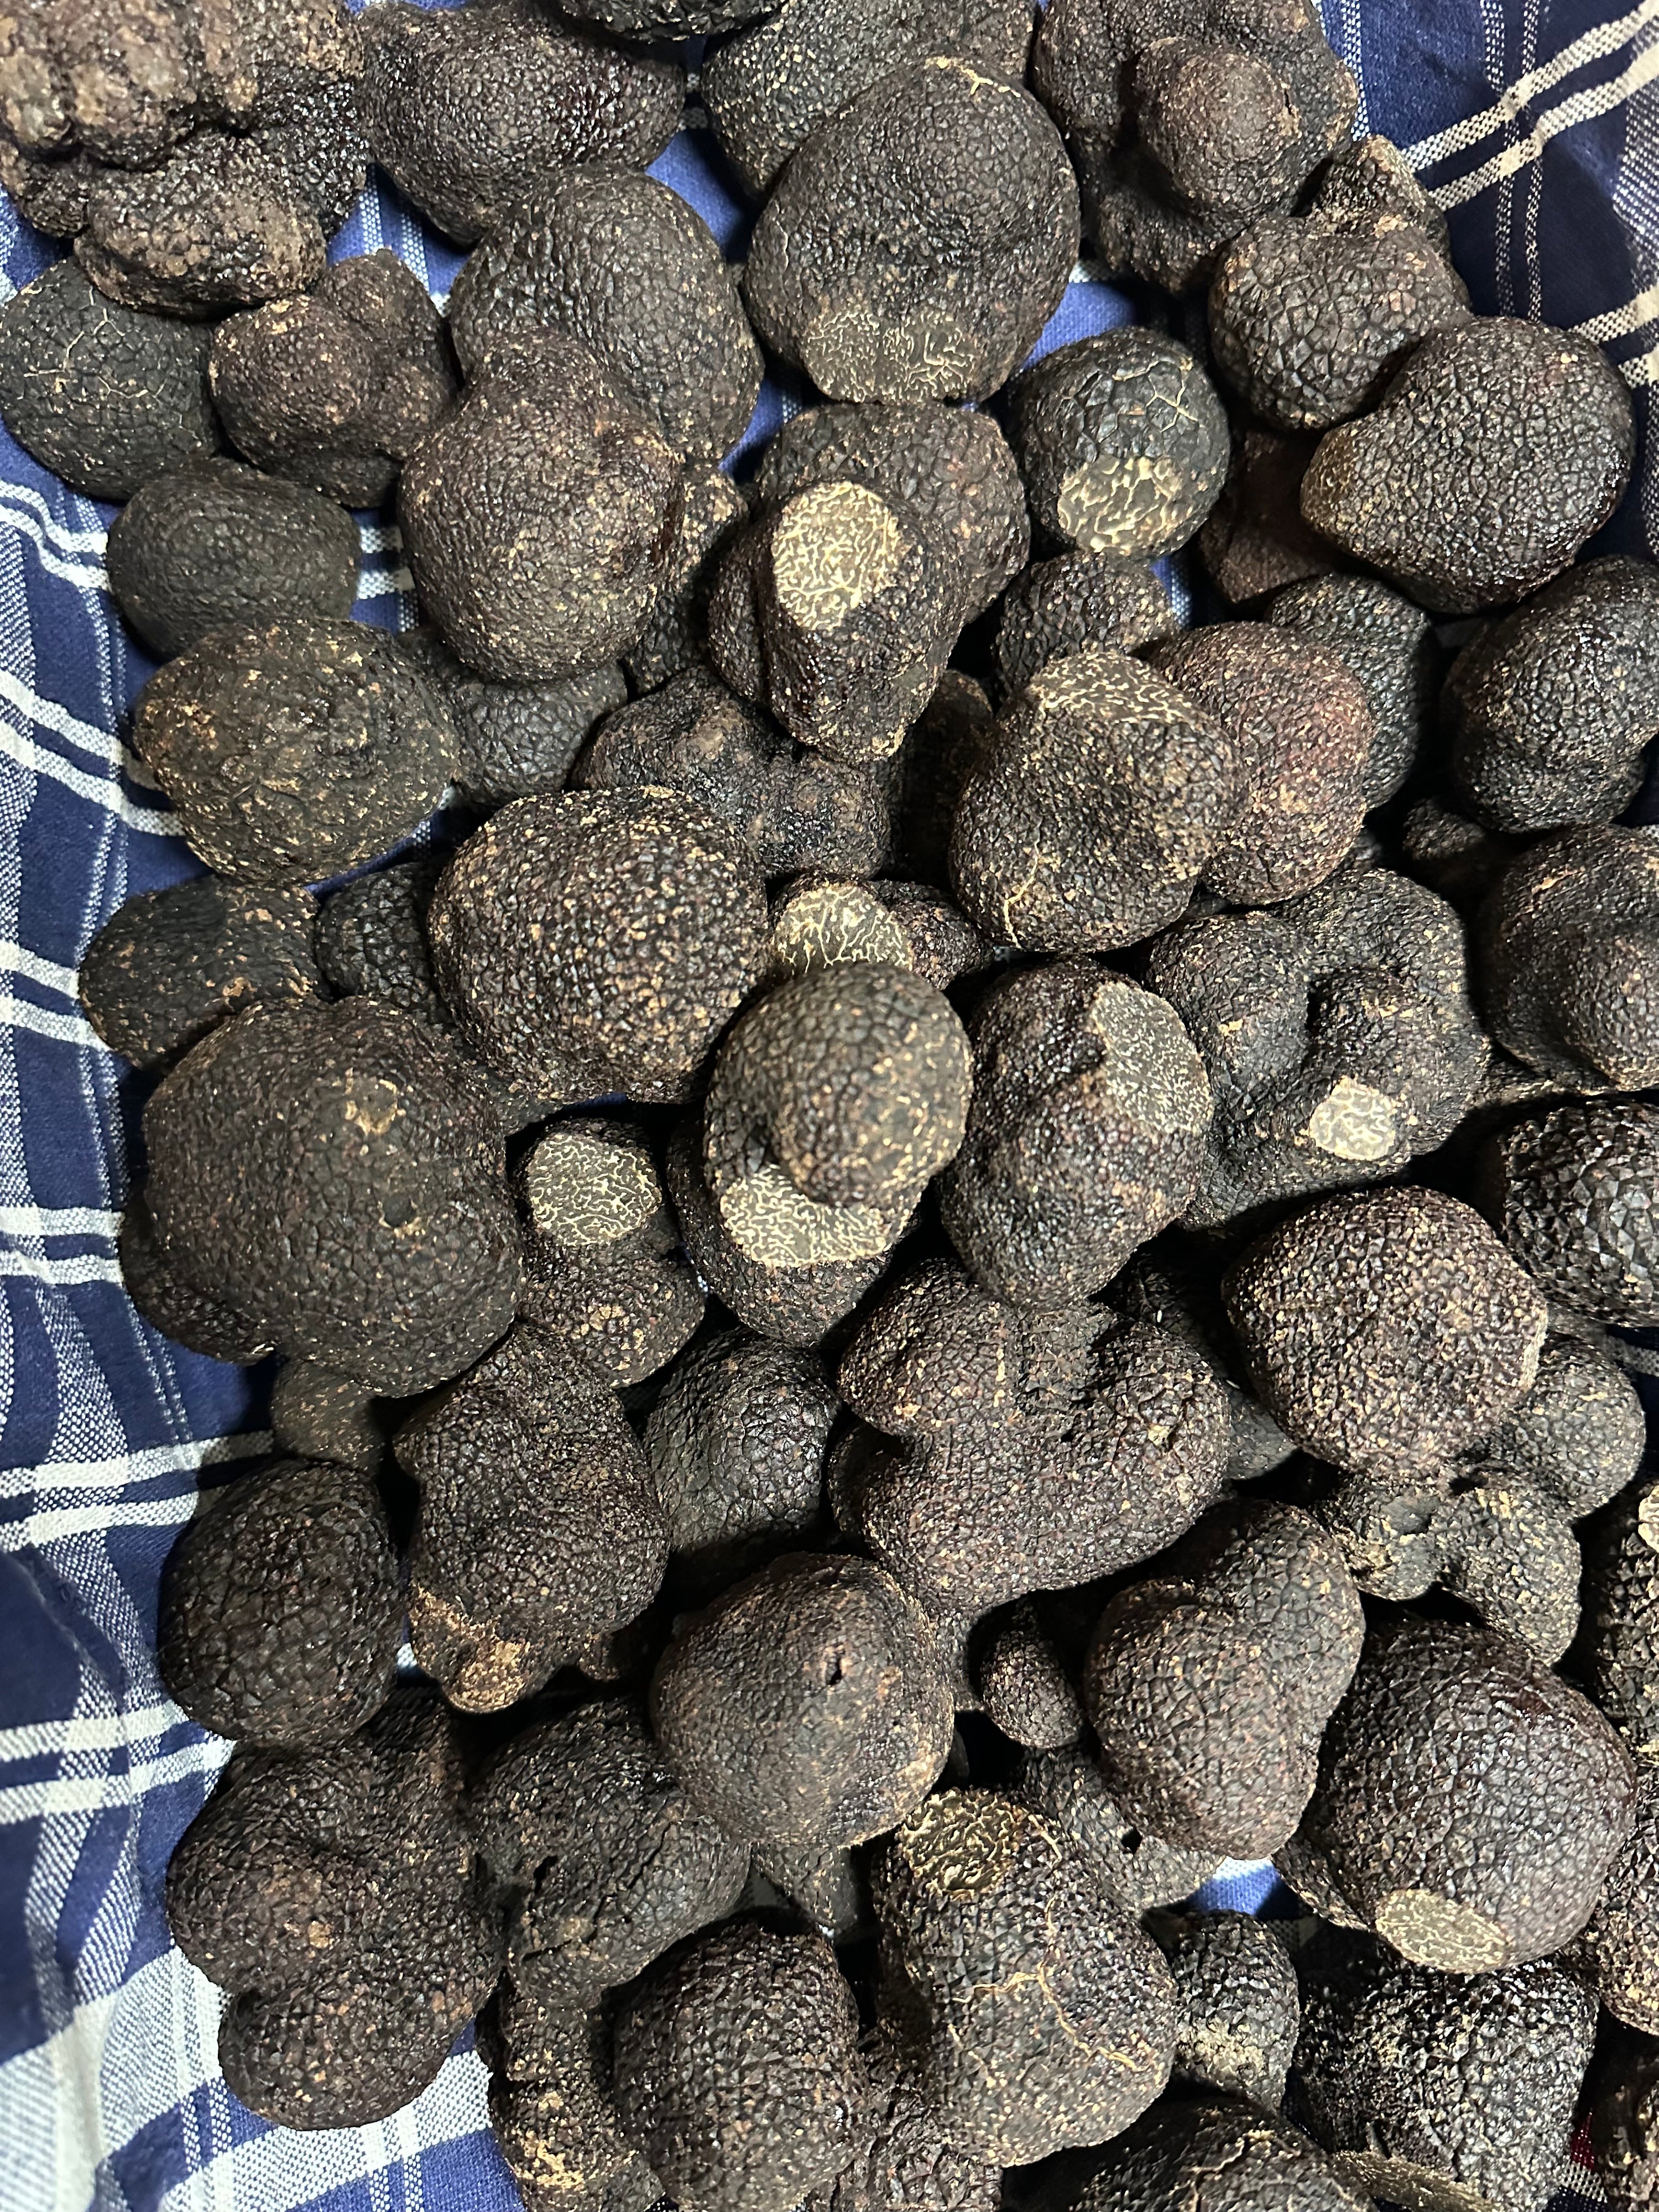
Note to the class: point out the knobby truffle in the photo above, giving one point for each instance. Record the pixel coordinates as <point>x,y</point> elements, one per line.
<point>1389,645</point>
<point>1078,598</point>
<point>1617,1656</point>
<point>819,923</point>
<point>512,739</point>
<point>1570,1192</point>
<point>1238,2003</point>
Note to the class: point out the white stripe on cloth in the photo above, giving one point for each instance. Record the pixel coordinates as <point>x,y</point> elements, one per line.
<point>67,1524</point>
<point>1621,322</point>
<point>63,1029</point>
<point>41,1222</point>
<point>62,1795</point>
<point>90,1732</point>
<point>49,975</point>
<point>1599,44</point>
<point>1582,107</point>
<point>104,790</point>
<point>75,1267</point>
<point>150,1463</point>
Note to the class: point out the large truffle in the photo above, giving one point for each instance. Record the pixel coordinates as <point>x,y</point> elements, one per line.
<point>337,388</point>
<point>335,1897</point>
<point>103,396</point>
<point>1034,2010</point>
<point>282,1607</point>
<point>333,1174</point>
<point>1087,1127</point>
<point>1122,443</point>
<point>1224,2155</point>
<point>1386,1330</point>
<point>540,519</point>
<point>920,240</point>
<point>293,751</point>
<point>512,739</point>
<point>1186,121</point>
<point>1617,1656</point>
<point>168,964</point>
<point>1009,1451</point>
<point>595,941</point>
<point>612,258</point>
<point>1496,451</point>
<point>1078,598</point>
<point>465,108</point>
<point>1094,807</point>
<point>1570,1191</point>
<point>1209,1687</point>
<point>1335,1032</point>
<point>540,1529</point>
<point>1389,645</point>
<point>1470,1803</point>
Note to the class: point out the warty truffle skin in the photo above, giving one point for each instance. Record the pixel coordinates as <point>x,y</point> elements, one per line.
<point>819,923</point>
<point>907,2160</point>
<point>1256,539</point>
<point>738,2072</point>
<point>1053,607</point>
<point>806,1709</point>
<point>540,1529</point>
<point>1089,1115</point>
<point>1122,443</point>
<point>168,964</point>
<point>613,260</point>
<point>1570,1191</point>
<point>1067,1789</point>
<point>1022,1682</point>
<point>606,1860</point>
<point>282,1607</point>
<point>1443,2090</point>
<point>336,387</point>
<point>675,634</point>
<point>540,518</point>
<point>173,1303</point>
<point>550,2105</point>
<point>318,1414</point>
<point>103,396</point>
<point>1222,2154</point>
<point>1499,449</point>
<point>591,942</point>
<point>1567,948</point>
<point>793,807</point>
<point>1549,711</point>
<point>854,271</point>
<point>1238,2003</point>
<point>1186,121</point>
<point>1036,2014</point>
<point>666,20</point>
<point>218,546</point>
<point>1470,1802</point>
<point>355,1136</point>
<point>294,751</point>
<point>1389,647</point>
<point>512,739</point>
<point>1621,1946</point>
<point>1386,1330</point>
<point>334,1895</point>
<point>464,108</point>
<point>1302,728</point>
<point>1614,1657</point>
<point>1094,808</point>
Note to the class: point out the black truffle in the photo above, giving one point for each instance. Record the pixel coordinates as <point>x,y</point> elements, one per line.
<point>676,635</point>
<point>282,1607</point>
<point>174,1303</point>
<point>1077,600</point>
<point>337,388</point>
<point>1621,1944</point>
<point>1569,1192</point>
<point>1226,2156</point>
<point>465,108</point>
<point>1623,2125</point>
<point>104,397</point>
<point>1021,1681</point>
<point>1617,1656</point>
<point>528,568</point>
<point>1089,1119</point>
<point>1389,645</point>
<point>332,1175</point>
<point>820,923</point>
<point>318,1414</point>
<point>667,20</point>
<point>920,240</point>
<point>1238,2003</point>
<point>1496,451</point>
<point>370,939</point>
<point>1256,539</point>
<point>908,2159</point>
<point>1066,1788</point>
<point>610,259</point>
<point>551,2108</point>
<point>294,751</point>
<point>512,739</point>
<point>168,964</point>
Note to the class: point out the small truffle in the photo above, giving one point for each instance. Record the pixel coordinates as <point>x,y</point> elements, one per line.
<point>1621,1944</point>
<point>1496,451</point>
<point>1301,727</point>
<point>104,397</point>
<point>1093,808</point>
<point>1079,598</point>
<point>1255,539</point>
<point>666,19</point>
<point>318,1414</point>
<point>602,1268</point>
<point>919,241</point>
<point>218,546</point>
<point>1036,2014</point>
<point>466,108</point>
<point>370,939</point>
<point>294,751</point>
<point>1088,1124</point>
<point>1578,1434</point>
<point>337,388</point>
<point>1122,443</point>
<point>335,1897</point>
<point>333,1174</point>
<point>1066,1788</point>
<point>609,258</point>
<point>168,964</point>
<point>1021,1681</point>
<point>1223,2155</point>
<point>1386,1330</point>
<point>512,739</point>
<point>738,2072</point>
<point>1389,647</point>
<point>794,808</point>
<point>1617,1656</point>
<point>1570,1191</point>
<point>527,567</point>
<point>1470,1802</point>
<point>552,2107</point>
<point>1238,2004</point>
<point>282,1609</point>
<point>675,636</point>
<point>820,924</point>
<point>539,1526</point>
<point>591,942</point>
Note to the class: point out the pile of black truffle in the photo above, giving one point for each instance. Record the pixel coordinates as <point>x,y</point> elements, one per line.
<point>955,1252</point>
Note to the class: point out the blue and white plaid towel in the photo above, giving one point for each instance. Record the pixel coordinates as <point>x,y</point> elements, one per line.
<point>1536,125</point>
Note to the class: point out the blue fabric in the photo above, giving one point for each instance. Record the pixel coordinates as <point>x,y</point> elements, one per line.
<point>1534,123</point>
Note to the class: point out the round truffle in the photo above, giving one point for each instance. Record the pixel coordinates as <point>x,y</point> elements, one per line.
<point>512,739</point>
<point>1571,1192</point>
<point>1389,647</point>
<point>1021,1681</point>
<point>1079,598</point>
<point>1226,2156</point>
<point>1238,2003</point>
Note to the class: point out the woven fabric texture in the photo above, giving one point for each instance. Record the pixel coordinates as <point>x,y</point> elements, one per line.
<point>1536,125</point>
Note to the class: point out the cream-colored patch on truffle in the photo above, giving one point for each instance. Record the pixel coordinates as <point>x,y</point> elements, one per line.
<point>1121,503</point>
<point>1148,1060</point>
<point>827,924</point>
<point>371,1103</point>
<point>834,548</point>
<point>771,1222</point>
<point>480,1672</point>
<point>957,1846</point>
<point>583,1191</point>
<point>1432,1930</point>
<point>1097,680</point>
<point>854,351</point>
<point>1355,1121</point>
<point>1647,1521</point>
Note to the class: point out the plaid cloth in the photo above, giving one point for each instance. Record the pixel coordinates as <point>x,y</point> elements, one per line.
<point>1535,122</point>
